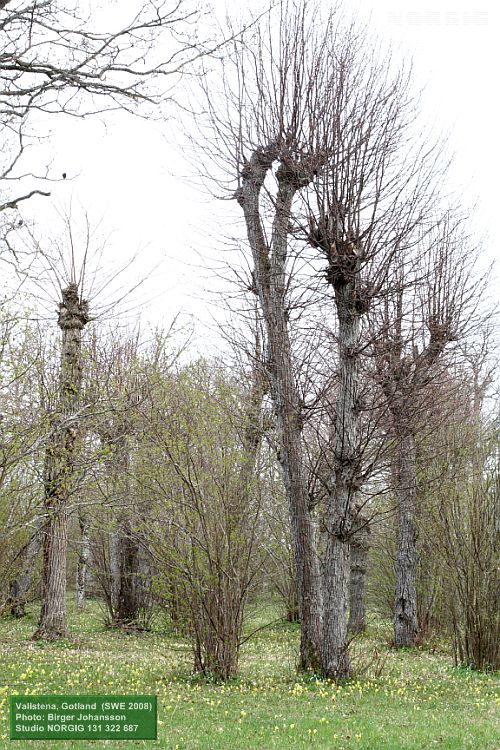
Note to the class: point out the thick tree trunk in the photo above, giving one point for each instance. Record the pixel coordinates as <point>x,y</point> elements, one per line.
<point>344,484</point>
<point>335,655</point>
<point>358,568</point>
<point>271,285</point>
<point>83,561</point>
<point>405,607</point>
<point>59,468</point>
<point>52,623</point>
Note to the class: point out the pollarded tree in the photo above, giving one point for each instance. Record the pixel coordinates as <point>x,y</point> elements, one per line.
<point>377,185</point>
<point>316,134</point>
<point>257,136</point>
<point>65,59</point>
<point>60,464</point>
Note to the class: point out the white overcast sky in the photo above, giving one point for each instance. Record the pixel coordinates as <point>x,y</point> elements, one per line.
<point>130,180</point>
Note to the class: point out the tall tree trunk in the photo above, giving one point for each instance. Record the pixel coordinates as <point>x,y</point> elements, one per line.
<point>59,467</point>
<point>358,568</point>
<point>405,607</point>
<point>343,274</point>
<point>83,560</point>
<point>271,285</point>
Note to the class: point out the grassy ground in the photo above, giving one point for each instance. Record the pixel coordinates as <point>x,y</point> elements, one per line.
<point>412,700</point>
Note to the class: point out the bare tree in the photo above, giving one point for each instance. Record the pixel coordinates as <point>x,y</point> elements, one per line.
<point>431,302</point>
<point>259,137</point>
<point>317,134</point>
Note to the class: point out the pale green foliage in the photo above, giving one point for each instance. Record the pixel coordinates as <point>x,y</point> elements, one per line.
<point>198,470</point>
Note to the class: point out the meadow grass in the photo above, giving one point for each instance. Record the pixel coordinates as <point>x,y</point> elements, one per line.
<point>411,700</point>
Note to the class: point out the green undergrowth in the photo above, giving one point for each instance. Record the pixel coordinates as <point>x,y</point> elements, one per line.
<point>405,700</point>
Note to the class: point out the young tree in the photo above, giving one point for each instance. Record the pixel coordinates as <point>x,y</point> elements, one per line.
<point>203,473</point>
<point>459,496</point>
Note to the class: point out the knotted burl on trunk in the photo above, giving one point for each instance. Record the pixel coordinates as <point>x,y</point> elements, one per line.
<point>73,311</point>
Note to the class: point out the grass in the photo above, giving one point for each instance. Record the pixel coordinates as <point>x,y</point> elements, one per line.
<point>410,700</point>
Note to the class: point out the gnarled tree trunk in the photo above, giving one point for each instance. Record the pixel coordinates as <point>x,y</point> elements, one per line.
<point>343,274</point>
<point>59,467</point>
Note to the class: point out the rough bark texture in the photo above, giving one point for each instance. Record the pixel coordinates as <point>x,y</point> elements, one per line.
<point>405,606</point>
<point>343,275</point>
<point>59,467</point>
<point>83,561</point>
<point>335,656</point>
<point>270,280</point>
<point>358,568</point>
